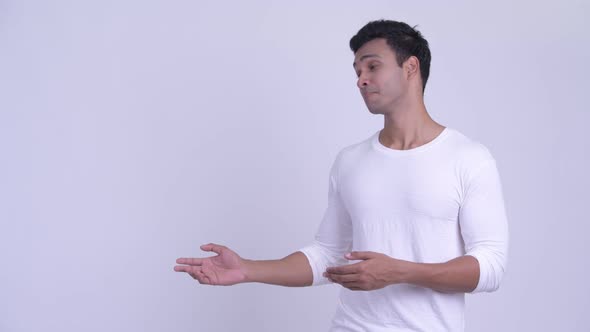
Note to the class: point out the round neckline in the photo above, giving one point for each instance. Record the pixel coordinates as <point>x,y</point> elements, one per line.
<point>395,152</point>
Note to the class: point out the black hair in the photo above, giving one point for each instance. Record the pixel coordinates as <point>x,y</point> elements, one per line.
<point>404,40</point>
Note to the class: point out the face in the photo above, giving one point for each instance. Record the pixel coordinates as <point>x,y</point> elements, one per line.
<point>381,80</point>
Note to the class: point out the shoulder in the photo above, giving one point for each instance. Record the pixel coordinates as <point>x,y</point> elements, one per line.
<point>350,154</point>
<point>470,155</point>
<point>469,150</point>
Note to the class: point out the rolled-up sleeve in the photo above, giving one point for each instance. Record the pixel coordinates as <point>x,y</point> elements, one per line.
<point>333,238</point>
<point>484,225</point>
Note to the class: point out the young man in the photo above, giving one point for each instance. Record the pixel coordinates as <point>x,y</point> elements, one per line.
<point>415,215</point>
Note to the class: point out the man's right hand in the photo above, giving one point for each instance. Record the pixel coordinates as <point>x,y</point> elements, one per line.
<point>227,268</point>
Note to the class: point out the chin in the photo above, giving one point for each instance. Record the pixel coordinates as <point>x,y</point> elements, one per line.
<point>374,110</point>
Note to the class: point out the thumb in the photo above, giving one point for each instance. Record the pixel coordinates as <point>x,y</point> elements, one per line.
<point>216,248</point>
<point>356,255</point>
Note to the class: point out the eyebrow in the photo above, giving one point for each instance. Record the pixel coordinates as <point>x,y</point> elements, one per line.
<point>364,57</point>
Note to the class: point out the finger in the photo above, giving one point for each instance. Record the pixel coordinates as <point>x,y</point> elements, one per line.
<point>190,261</point>
<point>199,276</point>
<point>344,277</point>
<point>187,268</point>
<point>356,255</point>
<point>194,276</point>
<point>352,285</point>
<point>344,269</point>
<point>216,248</point>
<point>181,268</point>
<point>204,278</point>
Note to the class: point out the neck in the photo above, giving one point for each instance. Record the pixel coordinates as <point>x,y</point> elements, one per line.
<point>408,126</point>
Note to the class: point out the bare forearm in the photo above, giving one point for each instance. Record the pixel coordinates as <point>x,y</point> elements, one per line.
<point>457,275</point>
<point>291,271</point>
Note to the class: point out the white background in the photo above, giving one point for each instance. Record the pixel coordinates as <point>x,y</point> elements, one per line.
<point>132,132</point>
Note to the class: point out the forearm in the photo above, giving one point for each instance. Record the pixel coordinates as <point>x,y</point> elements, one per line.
<point>291,271</point>
<point>457,275</point>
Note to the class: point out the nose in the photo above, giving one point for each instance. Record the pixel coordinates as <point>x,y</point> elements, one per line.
<point>362,82</point>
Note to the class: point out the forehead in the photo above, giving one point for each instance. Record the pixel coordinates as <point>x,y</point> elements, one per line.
<point>376,48</point>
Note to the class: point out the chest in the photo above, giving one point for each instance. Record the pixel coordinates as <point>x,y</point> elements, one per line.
<point>383,190</point>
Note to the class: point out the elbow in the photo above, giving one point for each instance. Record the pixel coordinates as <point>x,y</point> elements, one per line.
<point>494,281</point>
<point>492,267</point>
<point>321,257</point>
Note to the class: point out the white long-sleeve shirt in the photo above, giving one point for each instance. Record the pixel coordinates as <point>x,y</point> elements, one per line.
<point>429,204</point>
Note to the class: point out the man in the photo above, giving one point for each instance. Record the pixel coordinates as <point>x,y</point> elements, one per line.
<point>415,215</point>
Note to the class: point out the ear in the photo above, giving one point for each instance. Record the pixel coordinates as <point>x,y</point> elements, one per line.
<point>412,67</point>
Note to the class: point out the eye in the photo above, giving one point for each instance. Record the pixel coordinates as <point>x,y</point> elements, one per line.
<point>371,67</point>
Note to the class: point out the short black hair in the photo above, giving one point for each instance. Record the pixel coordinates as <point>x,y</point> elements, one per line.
<point>402,38</point>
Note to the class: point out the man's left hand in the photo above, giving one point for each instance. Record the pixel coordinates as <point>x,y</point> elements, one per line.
<point>374,272</point>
